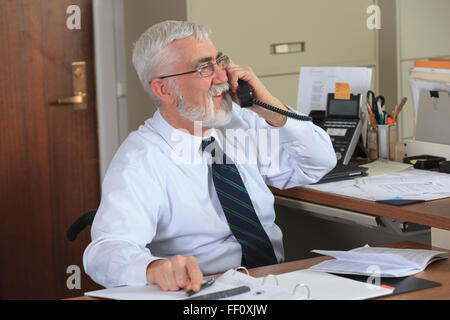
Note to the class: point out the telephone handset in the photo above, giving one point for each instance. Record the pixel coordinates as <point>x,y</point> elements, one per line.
<point>245,97</point>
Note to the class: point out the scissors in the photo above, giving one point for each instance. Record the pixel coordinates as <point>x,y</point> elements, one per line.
<point>376,104</point>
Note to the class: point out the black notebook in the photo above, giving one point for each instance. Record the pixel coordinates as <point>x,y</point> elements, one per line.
<point>344,172</point>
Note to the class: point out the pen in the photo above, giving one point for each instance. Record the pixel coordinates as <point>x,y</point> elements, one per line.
<point>402,103</point>
<point>371,115</point>
<point>222,294</point>
<point>380,112</point>
<point>399,108</point>
<point>394,113</point>
<point>204,285</point>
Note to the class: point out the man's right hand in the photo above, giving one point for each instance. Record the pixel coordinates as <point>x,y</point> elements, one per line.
<point>180,272</point>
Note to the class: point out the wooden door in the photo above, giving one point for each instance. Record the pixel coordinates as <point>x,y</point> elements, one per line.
<point>49,168</point>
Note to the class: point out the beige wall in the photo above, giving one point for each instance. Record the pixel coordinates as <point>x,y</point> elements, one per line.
<point>139,15</point>
<point>411,29</point>
<point>330,37</point>
<point>388,52</point>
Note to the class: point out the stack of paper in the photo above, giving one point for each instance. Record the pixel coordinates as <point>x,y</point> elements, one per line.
<point>382,167</point>
<point>382,262</point>
<point>412,184</point>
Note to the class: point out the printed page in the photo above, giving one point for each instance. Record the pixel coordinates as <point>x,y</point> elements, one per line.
<point>421,258</point>
<point>316,82</point>
<point>407,184</point>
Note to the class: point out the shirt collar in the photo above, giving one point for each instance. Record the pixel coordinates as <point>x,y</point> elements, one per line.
<point>173,137</point>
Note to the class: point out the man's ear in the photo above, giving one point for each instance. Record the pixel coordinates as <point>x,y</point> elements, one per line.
<point>163,91</point>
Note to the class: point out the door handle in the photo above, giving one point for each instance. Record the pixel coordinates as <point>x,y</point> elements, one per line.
<point>78,100</point>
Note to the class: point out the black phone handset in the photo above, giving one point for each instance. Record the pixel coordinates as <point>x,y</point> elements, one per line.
<point>245,96</point>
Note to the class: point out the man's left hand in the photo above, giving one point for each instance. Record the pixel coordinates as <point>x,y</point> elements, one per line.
<point>236,72</point>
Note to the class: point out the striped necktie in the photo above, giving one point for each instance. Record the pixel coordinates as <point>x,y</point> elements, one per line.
<point>257,249</point>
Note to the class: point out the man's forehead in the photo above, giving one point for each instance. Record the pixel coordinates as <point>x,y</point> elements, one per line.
<point>207,58</point>
<point>194,51</point>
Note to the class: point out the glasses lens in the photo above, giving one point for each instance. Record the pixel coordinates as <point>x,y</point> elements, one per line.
<point>223,62</point>
<point>208,69</point>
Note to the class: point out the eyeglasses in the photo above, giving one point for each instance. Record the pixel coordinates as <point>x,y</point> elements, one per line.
<point>205,70</point>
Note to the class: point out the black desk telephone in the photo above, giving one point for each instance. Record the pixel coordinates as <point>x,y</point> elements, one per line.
<point>342,123</point>
<point>245,96</point>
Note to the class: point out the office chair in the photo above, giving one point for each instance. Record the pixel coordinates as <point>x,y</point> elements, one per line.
<point>79,225</point>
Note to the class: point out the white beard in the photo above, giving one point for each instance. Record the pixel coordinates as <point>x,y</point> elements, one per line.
<point>206,114</point>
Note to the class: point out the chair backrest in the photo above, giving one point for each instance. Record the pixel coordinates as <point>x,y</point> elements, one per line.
<point>79,224</point>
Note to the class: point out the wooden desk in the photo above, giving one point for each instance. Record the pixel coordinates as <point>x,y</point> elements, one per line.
<point>437,271</point>
<point>434,213</point>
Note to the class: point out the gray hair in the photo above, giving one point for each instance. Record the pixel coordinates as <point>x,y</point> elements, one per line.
<point>149,56</point>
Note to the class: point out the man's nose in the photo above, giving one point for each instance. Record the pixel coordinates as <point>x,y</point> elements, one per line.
<point>220,75</point>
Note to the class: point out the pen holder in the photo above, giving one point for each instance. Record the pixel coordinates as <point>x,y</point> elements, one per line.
<point>372,142</point>
<point>387,138</point>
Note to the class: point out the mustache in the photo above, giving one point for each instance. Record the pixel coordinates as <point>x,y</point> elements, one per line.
<point>218,89</point>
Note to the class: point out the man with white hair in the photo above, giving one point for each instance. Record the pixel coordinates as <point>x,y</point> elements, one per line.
<point>186,194</point>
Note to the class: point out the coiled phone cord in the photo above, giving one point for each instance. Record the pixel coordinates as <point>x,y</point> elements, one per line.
<point>280,111</point>
<point>245,95</point>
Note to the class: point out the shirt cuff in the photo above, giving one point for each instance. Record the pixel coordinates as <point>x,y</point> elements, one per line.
<point>293,127</point>
<point>137,271</point>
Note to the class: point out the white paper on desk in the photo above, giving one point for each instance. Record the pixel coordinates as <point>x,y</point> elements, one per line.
<point>347,188</point>
<point>383,262</point>
<point>228,280</point>
<point>418,85</point>
<point>316,82</point>
<point>407,184</point>
<point>382,167</point>
<point>150,292</point>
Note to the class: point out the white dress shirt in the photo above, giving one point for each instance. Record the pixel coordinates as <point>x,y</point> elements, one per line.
<point>158,198</point>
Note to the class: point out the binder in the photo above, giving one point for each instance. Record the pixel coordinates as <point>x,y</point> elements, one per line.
<point>327,286</point>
